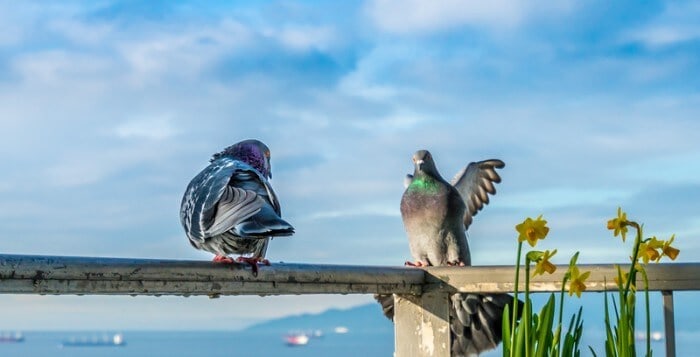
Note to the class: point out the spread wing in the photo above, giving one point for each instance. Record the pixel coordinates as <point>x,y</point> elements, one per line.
<point>476,321</point>
<point>474,183</point>
<point>211,205</point>
<point>407,180</point>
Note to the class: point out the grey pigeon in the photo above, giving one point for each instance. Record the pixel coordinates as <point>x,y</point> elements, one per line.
<point>230,206</point>
<point>436,215</point>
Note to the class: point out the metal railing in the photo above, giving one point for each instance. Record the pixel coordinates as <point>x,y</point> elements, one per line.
<point>421,298</point>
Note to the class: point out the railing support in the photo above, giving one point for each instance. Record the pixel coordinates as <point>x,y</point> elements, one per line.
<point>421,325</point>
<point>669,326</point>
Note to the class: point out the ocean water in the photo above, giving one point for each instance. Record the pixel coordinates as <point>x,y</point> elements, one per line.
<point>220,343</point>
<point>202,343</point>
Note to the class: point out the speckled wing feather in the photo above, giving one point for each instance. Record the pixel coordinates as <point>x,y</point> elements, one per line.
<point>474,183</point>
<point>407,180</point>
<point>475,320</point>
<point>211,206</point>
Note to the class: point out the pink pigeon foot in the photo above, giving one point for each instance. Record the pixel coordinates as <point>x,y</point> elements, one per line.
<point>223,259</point>
<point>416,264</point>
<point>253,262</point>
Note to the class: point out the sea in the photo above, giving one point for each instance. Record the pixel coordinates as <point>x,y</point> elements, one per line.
<point>225,343</point>
<point>200,343</point>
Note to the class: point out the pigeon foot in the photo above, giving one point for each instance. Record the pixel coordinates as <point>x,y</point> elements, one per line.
<point>456,264</point>
<point>253,262</point>
<point>223,259</point>
<point>416,264</point>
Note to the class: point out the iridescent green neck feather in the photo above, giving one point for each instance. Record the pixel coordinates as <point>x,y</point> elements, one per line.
<point>423,183</point>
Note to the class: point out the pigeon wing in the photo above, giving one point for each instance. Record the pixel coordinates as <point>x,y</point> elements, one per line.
<point>211,206</point>
<point>407,180</point>
<point>476,321</point>
<point>474,183</point>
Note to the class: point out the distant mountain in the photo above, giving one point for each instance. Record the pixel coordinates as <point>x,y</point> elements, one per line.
<point>369,318</point>
<point>364,318</point>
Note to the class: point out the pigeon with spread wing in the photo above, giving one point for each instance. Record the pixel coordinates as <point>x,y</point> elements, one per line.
<point>436,215</point>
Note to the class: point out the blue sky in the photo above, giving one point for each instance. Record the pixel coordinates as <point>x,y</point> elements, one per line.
<point>108,109</point>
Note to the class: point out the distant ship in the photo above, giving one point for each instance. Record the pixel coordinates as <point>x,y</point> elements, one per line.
<point>653,336</point>
<point>341,330</point>
<point>104,341</point>
<point>296,339</point>
<point>6,337</point>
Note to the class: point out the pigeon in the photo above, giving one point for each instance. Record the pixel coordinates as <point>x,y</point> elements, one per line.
<point>231,208</point>
<point>436,215</point>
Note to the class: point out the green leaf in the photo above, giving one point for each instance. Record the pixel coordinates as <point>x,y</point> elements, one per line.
<point>505,331</point>
<point>592,351</point>
<point>544,328</point>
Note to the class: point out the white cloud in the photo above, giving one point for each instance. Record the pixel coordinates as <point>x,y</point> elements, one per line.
<point>81,32</point>
<point>58,66</point>
<point>358,84</point>
<point>76,168</point>
<point>19,21</point>
<point>563,197</point>
<point>392,122</point>
<point>660,36</point>
<point>151,128</point>
<point>420,16</point>
<point>182,52</point>
<point>386,210</point>
<point>302,37</point>
<point>677,23</point>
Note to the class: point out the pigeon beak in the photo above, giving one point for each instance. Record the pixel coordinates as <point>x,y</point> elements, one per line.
<point>419,164</point>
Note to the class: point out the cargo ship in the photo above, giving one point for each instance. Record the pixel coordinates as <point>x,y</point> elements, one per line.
<point>6,337</point>
<point>104,341</point>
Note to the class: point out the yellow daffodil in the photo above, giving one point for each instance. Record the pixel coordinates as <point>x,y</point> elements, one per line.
<point>619,224</point>
<point>544,265</point>
<point>577,284</point>
<point>648,250</point>
<point>532,230</point>
<point>668,250</point>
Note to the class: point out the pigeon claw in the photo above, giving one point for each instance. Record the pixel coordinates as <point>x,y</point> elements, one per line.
<point>223,259</point>
<point>253,262</point>
<point>416,264</point>
<point>458,263</point>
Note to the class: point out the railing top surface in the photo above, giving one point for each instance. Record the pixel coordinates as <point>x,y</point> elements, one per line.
<point>667,276</point>
<point>29,274</point>
<point>126,276</point>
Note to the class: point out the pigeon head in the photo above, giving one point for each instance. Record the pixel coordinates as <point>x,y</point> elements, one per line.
<point>252,152</point>
<point>424,164</point>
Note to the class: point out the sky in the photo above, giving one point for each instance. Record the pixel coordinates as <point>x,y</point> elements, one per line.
<point>109,108</point>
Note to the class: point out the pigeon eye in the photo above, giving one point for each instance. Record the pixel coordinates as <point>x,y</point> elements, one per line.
<point>267,154</point>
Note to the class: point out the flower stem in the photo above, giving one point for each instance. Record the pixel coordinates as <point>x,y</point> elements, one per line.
<point>646,300</point>
<point>515,301</point>
<point>528,307</point>
<point>561,312</point>
<point>637,242</point>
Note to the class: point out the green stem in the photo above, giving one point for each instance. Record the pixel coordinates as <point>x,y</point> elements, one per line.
<point>637,242</point>
<point>515,301</point>
<point>561,311</point>
<point>627,333</point>
<point>528,308</point>
<point>646,296</point>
